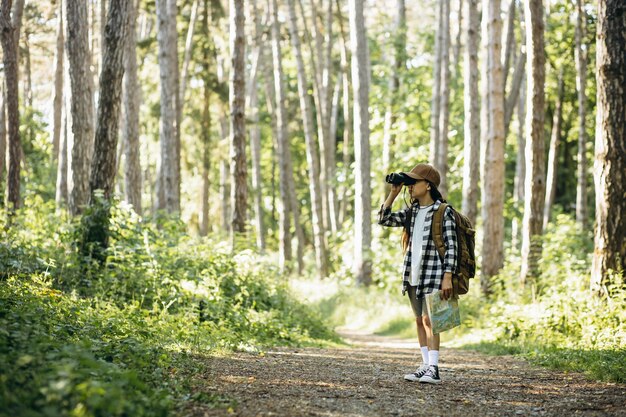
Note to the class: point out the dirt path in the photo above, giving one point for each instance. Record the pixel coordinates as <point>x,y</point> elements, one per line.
<point>366,380</point>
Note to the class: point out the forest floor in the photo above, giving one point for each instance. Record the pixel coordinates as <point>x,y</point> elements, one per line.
<point>366,379</point>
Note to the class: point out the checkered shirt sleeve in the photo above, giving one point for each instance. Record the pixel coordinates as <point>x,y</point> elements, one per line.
<point>389,218</point>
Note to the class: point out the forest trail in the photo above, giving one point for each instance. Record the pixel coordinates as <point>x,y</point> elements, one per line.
<point>366,379</point>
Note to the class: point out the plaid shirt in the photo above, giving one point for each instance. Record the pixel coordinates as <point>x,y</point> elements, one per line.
<point>433,269</point>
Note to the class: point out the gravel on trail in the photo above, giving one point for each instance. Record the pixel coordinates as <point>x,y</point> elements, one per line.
<point>366,379</point>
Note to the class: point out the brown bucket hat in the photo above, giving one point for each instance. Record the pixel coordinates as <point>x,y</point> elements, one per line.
<point>425,172</point>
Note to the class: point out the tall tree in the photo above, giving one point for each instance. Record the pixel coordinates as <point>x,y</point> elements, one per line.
<point>82,102</point>
<point>3,140</point>
<point>238,166</point>
<point>435,104</point>
<point>362,266</point>
<point>10,21</point>
<point>168,180</point>
<point>609,255</point>
<point>59,57</point>
<point>207,86</point>
<point>471,149</point>
<point>397,67</point>
<point>282,143</point>
<point>311,148</point>
<point>493,179</point>
<point>555,138</point>
<point>581,80</point>
<point>444,113</point>
<point>104,165</point>
<point>132,94</point>
<point>347,117</point>
<point>535,187</point>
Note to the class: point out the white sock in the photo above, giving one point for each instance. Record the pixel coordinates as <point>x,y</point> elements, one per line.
<point>433,357</point>
<point>424,355</point>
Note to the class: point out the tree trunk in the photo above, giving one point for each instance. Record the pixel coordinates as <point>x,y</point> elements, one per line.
<point>609,258</point>
<point>311,149</point>
<point>472,116</point>
<point>555,138</point>
<point>255,130</point>
<point>10,21</point>
<point>397,66</point>
<point>444,112</point>
<point>61,195</point>
<point>82,103</point>
<point>493,180</point>
<point>3,140</point>
<point>581,80</point>
<point>362,266</point>
<point>512,98</point>
<point>115,38</point>
<point>347,117</point>
<point>435,105</point>
<point>168,184</point>
<point>206,120</point>
<point>187,55</point>
<point>282,142</point>
<point>509,43</point>
<point>238,166</point>
<point>457,43</point>
<point>58,84</point>
<point>535,187</point>
<point>132,98</point>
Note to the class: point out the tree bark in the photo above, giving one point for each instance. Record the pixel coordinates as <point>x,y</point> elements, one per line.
<point>168,182</point>
<point>397,65</point>
<point>132,98</point>
<point>362,266</point>
<point>555,138</point>
<point>238,166</point>
<point>258,55</point>
<point>435,105</point>
<point>104,165</point>
<point>57,103</point>
<point>609,258</point>
<point>472,116</point>
<point>581,80</point>
<point>457,43</point>
<point>206,120</point>
<point>444,112</point>
<point>509,43</point>
<point>10,21</point>
<point>493,180</point>
<point>347,117</point>
<point>82,103</point>
<point>282,142</point>
<point>512,98</point>
<point>187,55</point>
<point>3,140</point>
<point>311,149</point>
<point>61,195</point>
<point>535,187</point>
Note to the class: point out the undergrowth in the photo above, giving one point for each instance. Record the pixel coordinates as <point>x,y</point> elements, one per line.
<point>130,335</point>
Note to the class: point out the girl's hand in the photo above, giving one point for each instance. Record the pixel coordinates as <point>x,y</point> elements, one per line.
<point>446,286</point>
<point>396,188</point>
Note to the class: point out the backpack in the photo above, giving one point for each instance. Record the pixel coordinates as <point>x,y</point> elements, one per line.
<point>466,260</point>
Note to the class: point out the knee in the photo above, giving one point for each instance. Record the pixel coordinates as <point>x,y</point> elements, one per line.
<point>426,321</point>
<point>420,321</point>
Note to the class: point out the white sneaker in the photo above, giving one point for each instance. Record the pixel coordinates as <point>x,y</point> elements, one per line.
<point>431,376</point>
<point>415,376</point>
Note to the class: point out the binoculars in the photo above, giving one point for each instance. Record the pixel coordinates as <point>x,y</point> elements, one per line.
<point>399,178</point>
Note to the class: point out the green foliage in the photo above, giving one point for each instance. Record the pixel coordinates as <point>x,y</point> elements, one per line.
<point>124,336</point>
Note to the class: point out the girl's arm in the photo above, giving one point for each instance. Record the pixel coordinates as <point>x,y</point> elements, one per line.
<point>388,218</point>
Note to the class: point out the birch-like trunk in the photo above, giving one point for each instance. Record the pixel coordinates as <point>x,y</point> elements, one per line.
<point>61,194</point>
<point>282,142</point>
<point>397,66</point>
<point>347,117</point>
<point>435,104</point>
<point>131,100</point>
<point>493,180</point>
<point>187,56</point>
<point>362,266</point>
<point>609,256</point>
<point>168,185</point>
<point>57,103</point>
<point>457,42</point>
<point>471,147</point>
<point>535,186</point>
<point>206,122</point>
<point>444,112</point>
<point>555,138</point>
<point>581,81</point>
<point>3,139</point>
<point>311,148</point>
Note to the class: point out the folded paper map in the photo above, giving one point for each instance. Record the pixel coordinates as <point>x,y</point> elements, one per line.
<point>444,314</point>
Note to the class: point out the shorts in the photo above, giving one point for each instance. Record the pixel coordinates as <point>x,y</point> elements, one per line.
<point>417,304</point>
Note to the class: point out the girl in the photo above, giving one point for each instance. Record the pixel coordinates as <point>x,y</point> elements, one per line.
<point>423,271</point>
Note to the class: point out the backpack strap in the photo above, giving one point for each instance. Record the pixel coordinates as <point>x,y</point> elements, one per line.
<point>437,230</point>
<point>407,220</point>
